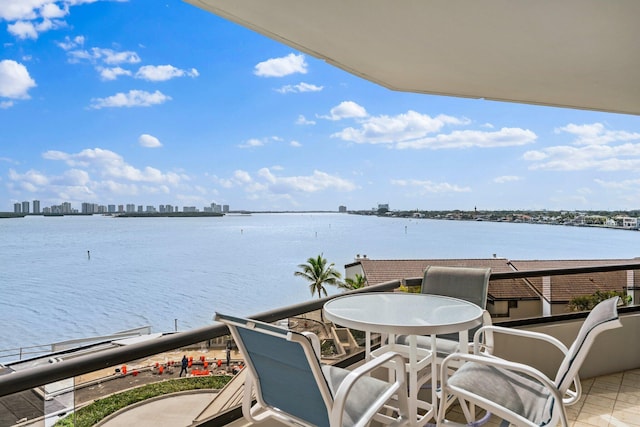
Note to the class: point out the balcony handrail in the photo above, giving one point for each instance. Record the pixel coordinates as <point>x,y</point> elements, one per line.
<point>68,368</point>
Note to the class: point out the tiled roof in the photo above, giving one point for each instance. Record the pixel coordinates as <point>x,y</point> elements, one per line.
<point>563,288</point>
<point>379,271</point>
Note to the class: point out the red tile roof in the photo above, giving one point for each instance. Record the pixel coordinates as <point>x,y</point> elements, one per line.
<point>562,289</point>
<point>379,271</point>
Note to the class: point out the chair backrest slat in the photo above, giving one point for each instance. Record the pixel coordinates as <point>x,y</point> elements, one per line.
<point>469,284</point>
<point>603,316</point>
<point>285,368</point>
<point>466,283</point>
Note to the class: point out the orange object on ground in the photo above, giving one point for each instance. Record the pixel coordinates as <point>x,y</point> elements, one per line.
<point>124,370</point>
<point>206,365</point>
<point>189,363</point>
<point>219,363</point>
<point>134,373</point>
<point>160,369</point>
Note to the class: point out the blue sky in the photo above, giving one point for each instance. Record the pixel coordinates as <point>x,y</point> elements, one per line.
<point>158,102</point>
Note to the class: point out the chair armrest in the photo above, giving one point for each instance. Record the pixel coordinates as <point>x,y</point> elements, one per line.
<point>393,361</point>
<point>516,332</point>
<point>489,331</point>
<point>493,361</point>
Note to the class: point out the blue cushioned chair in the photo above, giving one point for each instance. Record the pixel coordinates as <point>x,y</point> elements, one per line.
<point>518,393</point>
<point>294,387</point>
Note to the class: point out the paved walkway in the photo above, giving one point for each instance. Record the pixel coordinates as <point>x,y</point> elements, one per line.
<point>165,411</point>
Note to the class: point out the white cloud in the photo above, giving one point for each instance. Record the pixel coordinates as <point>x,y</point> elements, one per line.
<point>597,134</point>
<point>256,142</point>
<point>280,67</point>
<point>71,43</point>
<point>595,148</point>
<point>267,184</point>
<point>425,187</point>
<point>112,73</point>
<point>158,73</point>
<point>112,166</point>
<point>15,80</point>
<point>6,104</point>
<point>253,142</point>
<point>506,178</point>
<point>299,88</point>
<point>242,176</point>
<point>53,10</point>
<point>391,129</point>
<point>505,137</point>
<point>133,98</point>
<point>295,144</point>
<point>98,55</point>
<point>149,141</point>
<point>16,10</point>
<point>628,185</point>
<point>346,110</point>
<point>319,181</point>
<point>302,120</point>
<point>23,30</point>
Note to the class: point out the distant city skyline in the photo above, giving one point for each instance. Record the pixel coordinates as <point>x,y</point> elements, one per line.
<point>170,102</point>
<point>91,208</point>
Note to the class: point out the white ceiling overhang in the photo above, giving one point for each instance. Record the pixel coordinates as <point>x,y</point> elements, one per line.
<point>570,53</point>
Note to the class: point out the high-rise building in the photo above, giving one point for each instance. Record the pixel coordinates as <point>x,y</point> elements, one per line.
<point>131,207</point>
<point>225,208</point>
<point>25,207</point>
<point>36,206</point>
<point>111,208</point>
<point>17,208</point>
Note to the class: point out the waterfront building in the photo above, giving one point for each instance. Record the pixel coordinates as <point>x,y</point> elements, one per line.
<point>111,208</point>
<point>66,208</point>
<point>17,208</point>
<point>140,209</point>
<point>342,209</point>
<point>225,208</point>
<point>36,206</point>
<point>25,207</point>
<point>131,208</point>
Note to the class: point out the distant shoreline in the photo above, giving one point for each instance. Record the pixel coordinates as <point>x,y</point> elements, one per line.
<point>165,214</point>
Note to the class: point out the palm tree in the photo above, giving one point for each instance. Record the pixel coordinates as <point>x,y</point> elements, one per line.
<point>318,273</point>
<point>356,283</point>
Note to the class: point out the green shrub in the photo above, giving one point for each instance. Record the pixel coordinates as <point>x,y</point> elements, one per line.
<point>96,411</point>
<point>587,302</point>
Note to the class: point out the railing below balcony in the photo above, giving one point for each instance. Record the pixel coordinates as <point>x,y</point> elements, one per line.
<point>625,345</point>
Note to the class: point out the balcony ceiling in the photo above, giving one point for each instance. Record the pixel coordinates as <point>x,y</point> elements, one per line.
<point>573,53</point>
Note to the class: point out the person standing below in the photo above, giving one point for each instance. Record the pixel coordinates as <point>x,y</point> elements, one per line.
<point>185,363</point>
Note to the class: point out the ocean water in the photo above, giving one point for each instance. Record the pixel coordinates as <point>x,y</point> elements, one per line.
<point>73,277</point>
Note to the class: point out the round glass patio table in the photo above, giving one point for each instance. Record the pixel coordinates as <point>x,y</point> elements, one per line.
<point>401,313</point>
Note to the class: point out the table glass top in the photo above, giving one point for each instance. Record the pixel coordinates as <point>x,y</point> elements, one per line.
<point>403,313</point>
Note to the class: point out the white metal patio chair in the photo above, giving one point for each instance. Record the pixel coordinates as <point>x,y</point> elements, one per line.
<point>466,283</point>
<point>469,284</point>
<point>516,392</point>
<point>294,387</point>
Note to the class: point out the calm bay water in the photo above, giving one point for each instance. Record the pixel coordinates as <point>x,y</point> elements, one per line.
<point>150,271</point>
